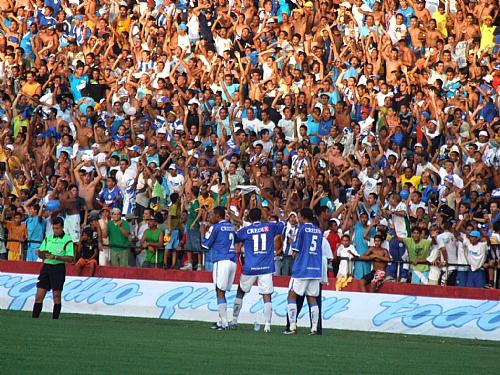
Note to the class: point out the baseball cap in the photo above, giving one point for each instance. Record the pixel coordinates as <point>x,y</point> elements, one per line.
<point>135,148</point>
<point>475,233</point>
<point>418,145</point>
<point>9,147</point>
<point>172,166</point>
<point>383,222</point>
<point>141,136</point>
<point>116,211</point>
<point>483,133</point>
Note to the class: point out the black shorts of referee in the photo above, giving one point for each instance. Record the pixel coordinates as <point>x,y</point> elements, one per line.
<point>52,276</point>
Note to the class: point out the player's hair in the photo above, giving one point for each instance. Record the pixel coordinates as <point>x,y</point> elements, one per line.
<point>57,221</point>
<point>255,214</point>
<point>377,236</point>
<point>307,214</point>
<point>220,211</point>
<point>346,236</point>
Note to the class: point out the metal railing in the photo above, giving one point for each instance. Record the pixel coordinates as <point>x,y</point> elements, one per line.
<point>400,264</point>
<point>445,269</point>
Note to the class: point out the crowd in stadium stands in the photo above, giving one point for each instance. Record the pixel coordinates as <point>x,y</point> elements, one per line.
<point>134,119</point>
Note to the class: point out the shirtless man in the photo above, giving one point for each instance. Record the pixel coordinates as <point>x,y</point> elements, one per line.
<point>267,184</point>
<point>335,158</point>
<point>416,34</point>
<point>379,257</point>
<point>432,35</point>
<point>392,65</point>
<point>84,135</point>
<point>422,13</point>
<point>471,30</point>
<point>87,185</point>
<point>72,205</point>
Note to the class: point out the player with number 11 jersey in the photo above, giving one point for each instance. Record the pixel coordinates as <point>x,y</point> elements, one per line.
<point>258,248</point>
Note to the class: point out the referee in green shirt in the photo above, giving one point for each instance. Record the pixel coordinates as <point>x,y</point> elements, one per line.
<point>56,250</point>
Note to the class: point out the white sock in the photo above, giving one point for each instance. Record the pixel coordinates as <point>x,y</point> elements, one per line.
<point>314,317</point>
<point>222,311</point>
<point>238,302</point>
<point>268,312</point>
<point>292,315</point>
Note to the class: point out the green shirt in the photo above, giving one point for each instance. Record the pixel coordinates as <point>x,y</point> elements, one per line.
<point>175,216</point>
<point>223,199</point>
<point>153,237</point>
<point>60,246</point>
<point>418,250</point>
<point>116,236</point>
<point>192,214</point>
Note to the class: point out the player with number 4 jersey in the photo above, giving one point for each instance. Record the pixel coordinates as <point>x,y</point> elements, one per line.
<point>220,239</point>
<point>258,248</point>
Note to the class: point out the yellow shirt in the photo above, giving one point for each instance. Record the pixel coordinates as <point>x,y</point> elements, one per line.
<point>414,180</point>
<point>30,88</point>
<point>122,25</point>
<point>441,23</point>
<point>487,37</point>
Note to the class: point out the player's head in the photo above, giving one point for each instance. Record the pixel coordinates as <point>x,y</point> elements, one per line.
<point>306,215</point>
<point>219,213</point>
<point>255,214</point>
<point>58,226</point>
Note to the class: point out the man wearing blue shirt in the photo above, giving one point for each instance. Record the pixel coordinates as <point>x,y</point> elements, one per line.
<point>306,271</point>
<point>220,241</point>
<point>258,248</point>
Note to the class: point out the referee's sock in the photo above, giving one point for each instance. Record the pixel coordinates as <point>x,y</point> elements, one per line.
<point>37,309</point>
<point>56,311</point>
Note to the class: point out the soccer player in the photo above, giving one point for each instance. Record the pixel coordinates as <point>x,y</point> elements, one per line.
<point>306,271</point>
<point>258,248</point>
<point>220,240</point>
<point>56,250</point>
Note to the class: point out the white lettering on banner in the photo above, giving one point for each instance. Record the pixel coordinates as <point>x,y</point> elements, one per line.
<point>197,301</point>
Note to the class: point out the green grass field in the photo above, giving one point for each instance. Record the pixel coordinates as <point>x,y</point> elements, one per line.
<point>83,344</point>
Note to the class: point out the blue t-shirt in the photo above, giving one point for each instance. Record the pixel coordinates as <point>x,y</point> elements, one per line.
<point>313,127</point>
<point>220,241</point>
<point>308,245</point>
<point>258,247</point>
<point>77,85</point>
<point>325,126</point>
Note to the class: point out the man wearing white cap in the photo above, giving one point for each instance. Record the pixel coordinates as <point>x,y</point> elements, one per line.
<point>175,181</point>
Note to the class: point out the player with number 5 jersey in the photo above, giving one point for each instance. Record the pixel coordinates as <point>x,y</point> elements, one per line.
<point>258,249</point>
<point>220,240</point>
<point>306,270</point>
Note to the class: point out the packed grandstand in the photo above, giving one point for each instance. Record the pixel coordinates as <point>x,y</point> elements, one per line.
<point>381,116</point>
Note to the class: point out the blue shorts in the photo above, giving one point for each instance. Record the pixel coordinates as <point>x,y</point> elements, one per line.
<point>173,244</point>
<point>476,279</point>
<point>461,278</point>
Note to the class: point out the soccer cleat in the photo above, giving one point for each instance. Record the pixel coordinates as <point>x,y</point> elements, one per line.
<point>488,286</point>
<point>221,328</point>
<point>215,326</point>
<point>267,328</point>
<point>187,267</point>
<point>233,325</point>
<point>199,267</point>
<point>313,333</point>
<point>289,332</point>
